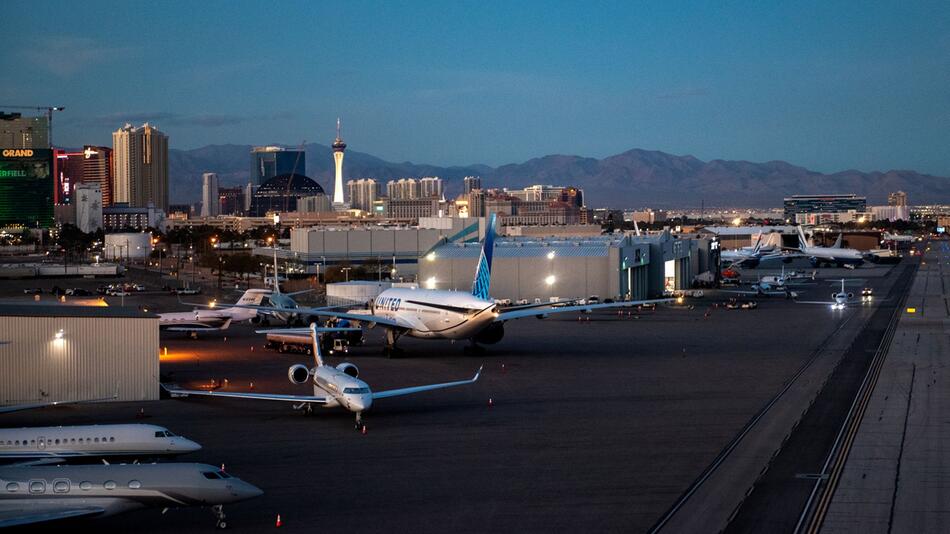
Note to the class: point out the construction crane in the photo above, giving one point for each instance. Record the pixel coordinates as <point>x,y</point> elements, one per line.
<point>49,115</point>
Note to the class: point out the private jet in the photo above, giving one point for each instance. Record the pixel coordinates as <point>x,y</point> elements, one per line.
<point>284,301</point>
<point>84,443</point>
<point>750,257</point>
<point>454,315</point>
<point>47,494</point>
<point>841,299</point>
<point>216,318</point>
<point>332,386</point>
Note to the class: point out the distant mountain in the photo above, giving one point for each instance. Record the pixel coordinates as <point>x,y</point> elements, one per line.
<point>631,179</point>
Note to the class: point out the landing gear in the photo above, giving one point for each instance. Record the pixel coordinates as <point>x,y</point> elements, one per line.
<point>390,350</point>
<point>218,511</point>
<point>359,426</point>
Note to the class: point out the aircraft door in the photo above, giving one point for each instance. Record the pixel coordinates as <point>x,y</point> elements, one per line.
<point>41,443</point>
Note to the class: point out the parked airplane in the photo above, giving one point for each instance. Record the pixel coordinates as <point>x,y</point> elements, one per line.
<point>899,238</point>
<point>281,300</point>
<point>214,318</point>
<point>332,386</point>
<point>440,314</point>
<point>828,255</point>
<point>749,256</point>
<point>39,495</point>
<point>56,444</point>
<point>840,299</point>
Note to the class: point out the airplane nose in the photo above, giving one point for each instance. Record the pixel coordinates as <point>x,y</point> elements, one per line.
<point>245,490</point>
<point>185,445</point>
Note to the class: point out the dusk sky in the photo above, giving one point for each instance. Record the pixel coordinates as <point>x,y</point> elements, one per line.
<point>827,85</point>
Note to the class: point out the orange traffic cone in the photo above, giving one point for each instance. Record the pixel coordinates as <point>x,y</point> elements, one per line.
<point>222,467</point>
<point>364,430</point>
<point>490,402</point>
<point>279,522</point>
<point>252,385</point>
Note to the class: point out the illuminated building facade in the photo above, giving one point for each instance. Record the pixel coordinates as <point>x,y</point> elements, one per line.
<point>141,166</point>
<point>338,147</point>
<point>26,187</point>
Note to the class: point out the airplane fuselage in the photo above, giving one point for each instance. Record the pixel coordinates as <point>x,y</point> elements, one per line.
<point>341,389</point>
<point>436,314</point>
<point>89,442</point>
<point>843,256</point>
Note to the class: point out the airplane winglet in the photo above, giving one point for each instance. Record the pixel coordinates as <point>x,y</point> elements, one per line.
<point>477,374</point>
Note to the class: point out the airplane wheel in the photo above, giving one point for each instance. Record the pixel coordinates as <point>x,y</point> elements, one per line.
<point>222,525</point>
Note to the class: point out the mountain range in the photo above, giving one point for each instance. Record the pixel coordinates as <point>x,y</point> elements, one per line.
<point>635,178</point>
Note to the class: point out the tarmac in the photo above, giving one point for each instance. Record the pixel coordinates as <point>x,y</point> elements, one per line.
<point>897,476</point>
<point>595,422</point>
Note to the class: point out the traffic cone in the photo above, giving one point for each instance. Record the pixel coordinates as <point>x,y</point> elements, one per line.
<point>222,467</point>
<point>490,402</point>
<point>279,522</point>
<point>225,338</point>
<point>252,385</point>
<point>364,430</point>
<point>252,348</point>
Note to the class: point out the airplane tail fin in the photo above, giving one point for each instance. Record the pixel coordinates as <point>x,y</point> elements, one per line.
<point>276,277</point>
<point>315,340</point>
<point>480,287</point>
<point>758,244</point>
<point>802,240</point>
<point>837,241</point>
<point>250,297</point>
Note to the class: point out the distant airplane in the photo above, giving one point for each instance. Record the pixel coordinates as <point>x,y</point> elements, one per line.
<point>57,444</point>
<point>455,315</point>
<point>46,494</point>
<point>332,386</point>
<point>841,299</point>
<point>899,238</point>
<point>833,255</point>
<point>283,301</point>
<point>750,256</point>
<point>214,318</point>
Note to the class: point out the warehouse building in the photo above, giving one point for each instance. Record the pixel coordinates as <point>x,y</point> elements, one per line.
<point>614,266</point>
<point>66,353</point>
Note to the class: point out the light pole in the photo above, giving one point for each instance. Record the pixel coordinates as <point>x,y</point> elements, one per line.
<point>346,272</point>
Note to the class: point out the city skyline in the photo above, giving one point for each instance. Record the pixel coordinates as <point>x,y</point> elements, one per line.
<point>827,87</point>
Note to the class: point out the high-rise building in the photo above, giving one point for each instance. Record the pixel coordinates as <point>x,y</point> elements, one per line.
<point>249,191</point>
<point>796,204</point>
<point>430,187</point>
<point>97,169</point>
<point>87,197</point>
<point>270,161</point>
<point>141,166</point>
<point>402,189</point>
<point>363,193</point>
<point>68,172</point>
<point>230,200</point>
<point>210,202</point>
<point>17,131</point>
<point>26,187</point>
<point>338,147</point>
<point>897,198</point>
<point>471,182</point>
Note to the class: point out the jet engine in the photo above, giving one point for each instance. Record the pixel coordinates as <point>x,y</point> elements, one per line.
<point>492,334</point>
<point>850,295</point>
<point>833,295</point>
<point>298,374</point>
<point>349,369</point>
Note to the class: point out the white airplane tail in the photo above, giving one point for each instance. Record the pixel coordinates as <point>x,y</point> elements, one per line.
<point>251,297</point>
<point>802,240</point>
<point>838,241</point>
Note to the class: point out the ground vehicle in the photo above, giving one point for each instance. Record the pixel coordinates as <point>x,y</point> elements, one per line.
<point>285,343</point>
<point>593,299</point>
<point>503,302</point>
<point>188,290</point>
<point>32,291</point>
<point>648,306</point>
<point>117,293</point>
<point>521,302</point>
<point>78,292</point>
<point>750,305</point>
<point>867,292</point>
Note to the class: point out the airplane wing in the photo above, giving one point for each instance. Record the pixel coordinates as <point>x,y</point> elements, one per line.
<point>755,293</point>
<point>295,293</point>
<point>372,320</point>
<point>198,326</point>
<point>825,302</point>
<point>19,407</point>
<point>176,392</point>
<point>518,314</point>
<point>306,331</point>
<point>15,517</point>
<point>420,389</point>
<point>568,302</point>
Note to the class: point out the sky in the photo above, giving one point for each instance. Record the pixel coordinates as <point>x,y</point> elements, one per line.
<point>828,85</point>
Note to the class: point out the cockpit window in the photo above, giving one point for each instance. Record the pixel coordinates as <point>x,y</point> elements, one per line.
<point>169,433</point>
<point>159,434</point>
<point>222,474</point>
<point>164,434</point>
<point>210,475</point>
<point>356,391</point>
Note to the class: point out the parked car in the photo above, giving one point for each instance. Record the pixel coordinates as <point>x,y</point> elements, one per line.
<point>188,290</point>
<point>33,291</point>
<point>78,292</point>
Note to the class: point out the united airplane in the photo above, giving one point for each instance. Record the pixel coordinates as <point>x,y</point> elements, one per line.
<point>455,315</point>
<point>332,386</point>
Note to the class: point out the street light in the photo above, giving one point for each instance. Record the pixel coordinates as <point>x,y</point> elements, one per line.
<point>346,271</point>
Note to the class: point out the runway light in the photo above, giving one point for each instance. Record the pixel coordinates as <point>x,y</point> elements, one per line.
<point>550,280</point>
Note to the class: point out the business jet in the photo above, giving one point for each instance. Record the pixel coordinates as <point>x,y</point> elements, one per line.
<point>453,315</point>
<point>750,256</point>
<point>215,318</point>
<point>46,494</point>
<point>834,255</point>
<point>841,299</point>
<point>59,444</point>
<point>281,300</point>
<point>332,386</point>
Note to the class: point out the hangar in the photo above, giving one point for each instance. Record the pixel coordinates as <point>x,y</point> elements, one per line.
<point>65,353</point>
<point>610,266</point>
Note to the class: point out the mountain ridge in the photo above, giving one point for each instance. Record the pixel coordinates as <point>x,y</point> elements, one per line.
<point>633,178</point>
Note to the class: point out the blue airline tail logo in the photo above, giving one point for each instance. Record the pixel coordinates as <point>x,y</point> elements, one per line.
<point>483,271</point>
